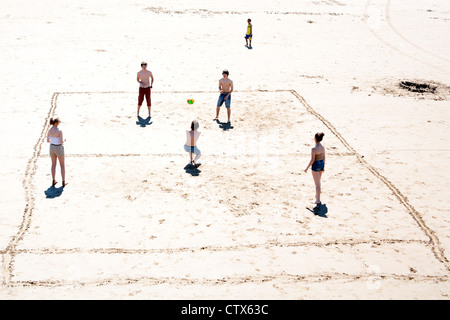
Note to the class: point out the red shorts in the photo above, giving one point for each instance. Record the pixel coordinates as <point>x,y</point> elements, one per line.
<point>144,92</point>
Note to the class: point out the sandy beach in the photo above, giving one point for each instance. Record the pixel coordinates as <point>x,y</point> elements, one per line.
<point>136,222</point>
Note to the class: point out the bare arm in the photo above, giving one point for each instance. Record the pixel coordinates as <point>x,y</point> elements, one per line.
<point>151,76</point>
<point>220,86</point>
<point>62,138</point>
<point>138,78</point>
<point>313,153</point>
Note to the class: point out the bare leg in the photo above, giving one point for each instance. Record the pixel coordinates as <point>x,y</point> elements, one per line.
<point>63,169</point>
<point>54,158</point>
<point>139,108</point>
<point>197,157</point>
<point>190,155</point>
<point>217,113</point>
<point>250,43</point>
<point>320,179</point>
<point>229,113</point>
<point>148,99</point>
<point>246,42</point>
<point>316,177</point>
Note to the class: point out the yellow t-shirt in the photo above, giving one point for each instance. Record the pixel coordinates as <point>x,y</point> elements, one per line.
<point>249,29</point>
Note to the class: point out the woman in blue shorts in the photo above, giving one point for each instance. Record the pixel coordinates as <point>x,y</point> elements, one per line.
<point>317,163</point>
<point>191,143</point>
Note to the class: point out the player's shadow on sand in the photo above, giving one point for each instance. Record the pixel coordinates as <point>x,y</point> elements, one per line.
<point>192,170</point>
<point>143,122</point>
<point>320,210</point>
<point>224,125</point>
<point>54,192</point>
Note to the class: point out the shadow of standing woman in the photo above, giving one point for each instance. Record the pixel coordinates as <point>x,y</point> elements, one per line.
<point>53,192</point>
<point>320,210</point>
<point>192,170</point>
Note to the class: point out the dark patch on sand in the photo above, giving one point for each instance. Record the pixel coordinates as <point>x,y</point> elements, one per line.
<point>413,88</point>
<point>418,87</point>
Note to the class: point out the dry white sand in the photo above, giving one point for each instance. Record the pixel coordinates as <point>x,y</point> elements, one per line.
<point>134,222</point>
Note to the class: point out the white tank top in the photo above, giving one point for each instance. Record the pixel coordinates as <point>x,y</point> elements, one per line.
<point>55,140</point>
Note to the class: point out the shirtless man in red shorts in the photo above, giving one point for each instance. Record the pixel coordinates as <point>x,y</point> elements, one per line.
<point>143,77</point>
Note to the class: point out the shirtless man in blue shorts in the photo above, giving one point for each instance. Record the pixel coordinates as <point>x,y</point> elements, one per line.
<point>225,87</point>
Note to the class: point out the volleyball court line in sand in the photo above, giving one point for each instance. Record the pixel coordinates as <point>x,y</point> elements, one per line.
<point>10,252</point>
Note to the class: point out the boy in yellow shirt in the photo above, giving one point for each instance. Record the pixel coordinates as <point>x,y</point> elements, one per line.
<point>248,36</point>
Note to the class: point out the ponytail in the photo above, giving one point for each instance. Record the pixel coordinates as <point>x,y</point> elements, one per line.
<point>319,136</point>
<point>54,121</point>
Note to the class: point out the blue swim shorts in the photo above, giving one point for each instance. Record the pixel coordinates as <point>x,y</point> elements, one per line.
<point>248,36</point>
<point>318,165</point>
<point>222,100</point>
<point>192,149</point>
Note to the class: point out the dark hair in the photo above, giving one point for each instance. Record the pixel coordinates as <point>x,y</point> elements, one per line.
<point>249,20</point>
<point>194,125</point>
<point>319,136</point>
<point>226,72</point>
<point>54,121</point>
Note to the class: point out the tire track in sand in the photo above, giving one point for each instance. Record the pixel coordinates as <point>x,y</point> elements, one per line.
<point>437,249</point>
<point>395,47</point>
<point>388,19</point>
